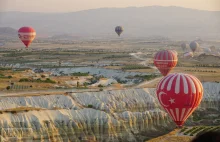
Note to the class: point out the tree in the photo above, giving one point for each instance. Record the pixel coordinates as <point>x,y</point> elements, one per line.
<point>85,84</point>
<point>77,84</point>
<point>9,77</point>
<point>8,87</point>
<point>100,85</point>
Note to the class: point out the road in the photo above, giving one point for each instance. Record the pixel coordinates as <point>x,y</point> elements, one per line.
<point>143,84</point>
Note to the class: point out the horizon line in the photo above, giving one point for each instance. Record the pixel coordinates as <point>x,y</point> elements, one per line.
<point>111,8</point>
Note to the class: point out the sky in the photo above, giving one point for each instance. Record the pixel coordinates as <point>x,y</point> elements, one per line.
<point>78,5</point>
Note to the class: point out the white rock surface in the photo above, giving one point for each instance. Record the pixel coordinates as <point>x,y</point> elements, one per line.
<point>116,115</point>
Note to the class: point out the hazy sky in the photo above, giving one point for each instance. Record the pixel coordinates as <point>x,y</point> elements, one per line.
<point>77,5</point>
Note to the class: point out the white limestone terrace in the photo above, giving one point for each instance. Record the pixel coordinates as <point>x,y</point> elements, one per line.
<point>107,73</point>
<point>211,97</point>
<point>211,90</point>
<point>42,102</point>
<point>76,125</point>
<point>119,100</point>
<point>114,115</point>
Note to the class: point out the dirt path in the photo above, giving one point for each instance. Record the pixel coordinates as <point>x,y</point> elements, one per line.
<point>146,83</point>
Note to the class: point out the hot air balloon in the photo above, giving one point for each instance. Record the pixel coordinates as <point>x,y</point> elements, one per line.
<point>26,35</point>
<point>165,60</point>
<point>194,45</point>
<point>175,52</point>
<point>207,50</point>
<point>188,54</point>
<point>179,94</point>
<point>184,46</point>
<point>212,48</point>
<point>119,30</point>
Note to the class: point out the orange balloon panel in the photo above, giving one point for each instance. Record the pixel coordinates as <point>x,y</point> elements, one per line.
<point>179,94</point>
<point>26,35</point>
<point>165,60</point>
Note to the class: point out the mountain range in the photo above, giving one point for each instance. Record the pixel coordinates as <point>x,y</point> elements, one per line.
<point>137,22</point>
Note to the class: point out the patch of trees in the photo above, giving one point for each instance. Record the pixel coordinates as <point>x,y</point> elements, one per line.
<point>3,76</point>
<point>134,67</point>
<point>211,71</point>
<point>147,77</point>
<point>79,74</point>
<point>48,80</point>
<point>207,65</point>
<point>117,56</point>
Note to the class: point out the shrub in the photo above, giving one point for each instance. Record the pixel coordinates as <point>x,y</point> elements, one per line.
<point>24,80</point>
<point>100,85</point>
<point>90,106</point>
<point>48,80</point>
<point>8,87</point>
<point>9,77</point>
<point>80,74</point>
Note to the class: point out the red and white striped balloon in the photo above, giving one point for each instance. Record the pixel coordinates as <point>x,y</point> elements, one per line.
<point>165,61</point>
<point>26,35</point>
<point>179,94</point>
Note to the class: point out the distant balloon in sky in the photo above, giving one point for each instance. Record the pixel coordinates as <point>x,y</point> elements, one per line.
<point>212,48</point>
<point>119,30</point>
<point>207,50</point>
<point>179,94</point>
<point>194,45</point>
<point>26,35</point>
<point>184,46</point>
<point>165,61</point>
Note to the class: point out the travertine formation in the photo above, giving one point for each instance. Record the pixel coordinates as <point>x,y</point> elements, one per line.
<point>116,115</point>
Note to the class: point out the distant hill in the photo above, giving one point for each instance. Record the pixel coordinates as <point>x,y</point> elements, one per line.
<point>138,22</point>
<point>208,59</point>
<point>7,31</point>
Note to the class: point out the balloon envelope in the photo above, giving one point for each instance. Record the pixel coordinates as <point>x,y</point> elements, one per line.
<point>207,50</point>
<point>175,52</point>
<point>165,61</point>
<point>212,48</point>
<point>184,46</point>
<point>188,54</point>
<point>119,30</point>
<point>26,35</point>
<point>179,94</point>
<point>194,45</point>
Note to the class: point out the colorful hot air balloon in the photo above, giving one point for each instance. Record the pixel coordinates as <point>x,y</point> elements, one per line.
<point>175,52</point>
<point>179,94</point>
<point>26,35</point>
<point>184,46</point>
<point>119,30</point>
<point>188,54</point>
<point>165,61</point>
<point>194,45</point>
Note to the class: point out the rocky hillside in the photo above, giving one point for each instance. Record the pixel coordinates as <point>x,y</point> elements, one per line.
<point>119,115</point>
<point>209,59</point>
<point>7,32</point>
